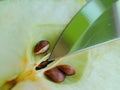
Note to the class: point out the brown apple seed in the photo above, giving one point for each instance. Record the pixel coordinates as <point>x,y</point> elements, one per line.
<point>66,69</point>
<point>41,47</point>
<point>55,75</point>
<point>43,65</point>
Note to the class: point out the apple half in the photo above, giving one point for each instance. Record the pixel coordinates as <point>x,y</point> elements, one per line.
<point>23,23</point>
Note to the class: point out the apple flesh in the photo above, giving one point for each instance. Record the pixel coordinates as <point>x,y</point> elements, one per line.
<point>94,70</point>
<point>24,23</point>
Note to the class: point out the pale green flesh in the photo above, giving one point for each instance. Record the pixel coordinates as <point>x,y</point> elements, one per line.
<point>94,70</point>
<point>97,68</point>
<point>22,30</point>
<point>25,22</point>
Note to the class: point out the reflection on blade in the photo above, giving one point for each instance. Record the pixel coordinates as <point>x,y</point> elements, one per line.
<point>94,23</point>
<point>86,28</point>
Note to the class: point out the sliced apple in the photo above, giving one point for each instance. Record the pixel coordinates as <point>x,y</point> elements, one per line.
<point>25,22</point>
<point>94,70</point>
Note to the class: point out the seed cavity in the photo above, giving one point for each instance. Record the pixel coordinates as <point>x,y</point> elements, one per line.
<point>42,65</point>
<point>66,69</point>
<point>55,75</point>
<point>41,47</point>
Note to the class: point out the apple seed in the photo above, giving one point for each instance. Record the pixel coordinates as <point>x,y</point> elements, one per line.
<point>41,47</point>
<point>55,75</point>
<point>66,69</point>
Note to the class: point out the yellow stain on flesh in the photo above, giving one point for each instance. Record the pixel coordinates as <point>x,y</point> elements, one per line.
<point>23,65</point>
<point>25,74</point>
<point>30,74</point>
<point>25,61</point>
<point>8,85</point>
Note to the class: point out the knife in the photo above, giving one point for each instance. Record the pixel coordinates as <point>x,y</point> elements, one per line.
<point>76,29</point>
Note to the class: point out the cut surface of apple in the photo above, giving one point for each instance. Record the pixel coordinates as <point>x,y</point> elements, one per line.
<point>25,22</point>
<point>94,70</point>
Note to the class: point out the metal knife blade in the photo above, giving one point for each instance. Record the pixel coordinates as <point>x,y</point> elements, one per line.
<point>76,28</point>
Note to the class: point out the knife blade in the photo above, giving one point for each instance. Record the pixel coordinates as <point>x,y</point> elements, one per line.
<point>76,28</point>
